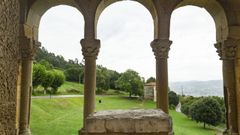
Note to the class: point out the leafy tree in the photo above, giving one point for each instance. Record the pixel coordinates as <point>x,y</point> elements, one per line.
<point>102,79</point>
<point>74,74</point>
<point>173,98</point>
<point>38,75</point>
<point>206,110</point>
<point>151,79</point>
<point>48,80</point>
<point>131,82</point>
<point>186,105</point>
<point>223,108</point>
<point>113,77</point>
<point>58,80</point>
<point>46,64</point>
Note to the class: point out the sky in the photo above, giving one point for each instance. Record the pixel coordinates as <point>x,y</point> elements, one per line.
<point>126,31</point>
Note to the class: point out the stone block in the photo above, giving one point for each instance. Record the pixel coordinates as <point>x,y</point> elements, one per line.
<point>126,122</point>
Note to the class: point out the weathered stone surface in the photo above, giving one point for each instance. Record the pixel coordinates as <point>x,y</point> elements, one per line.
<point>9,52</point>
<point>129,121</point>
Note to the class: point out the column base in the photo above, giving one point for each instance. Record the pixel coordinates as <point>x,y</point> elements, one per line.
<point>25,132</point>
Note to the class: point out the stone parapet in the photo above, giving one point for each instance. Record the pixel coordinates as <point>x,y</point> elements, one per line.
<point>128,122</point>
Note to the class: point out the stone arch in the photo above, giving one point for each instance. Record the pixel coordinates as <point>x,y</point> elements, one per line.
<point>36,11</point>
<point>148,4</point>
<point>216,11</point>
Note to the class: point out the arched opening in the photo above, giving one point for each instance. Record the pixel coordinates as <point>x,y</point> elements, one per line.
<point>149,5</point>
<point>126,35</point>
<point>126,29</point>
<point>59,28</point>
<point>194,65</point>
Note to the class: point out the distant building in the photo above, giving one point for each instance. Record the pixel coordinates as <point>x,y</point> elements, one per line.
<point>150,91</point>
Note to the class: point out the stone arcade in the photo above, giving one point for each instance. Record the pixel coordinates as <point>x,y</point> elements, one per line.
<point>19,23</point>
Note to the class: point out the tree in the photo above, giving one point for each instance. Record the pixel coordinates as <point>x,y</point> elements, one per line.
<point>206,110</point>
<point>102,79</point>
<point>58,80</point>
<point>187,104</point>
<point>46,64</point>
<point>48,80</point>
<point>131,82</point>
<point>173,98</point>
<point>74,74</point>
<point>38,75</point>
<point>113,77</point>
<point>151,79</point>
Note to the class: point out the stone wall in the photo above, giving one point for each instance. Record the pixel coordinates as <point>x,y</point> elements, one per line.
<point>9,52</point>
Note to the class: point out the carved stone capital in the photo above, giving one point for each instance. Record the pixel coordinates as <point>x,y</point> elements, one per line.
<point>90,47</point>
<point>227,50</point>
<point>218,46</point>
<point>161,47</point>
<point>28,47</point>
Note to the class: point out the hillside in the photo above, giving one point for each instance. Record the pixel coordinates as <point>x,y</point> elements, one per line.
<point>198,88</point>
<point>50,115</point>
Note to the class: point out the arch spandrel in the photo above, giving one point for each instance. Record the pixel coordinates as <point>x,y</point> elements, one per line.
<point>36,11</point>
<point>148,4</point>
<point>216,11</point>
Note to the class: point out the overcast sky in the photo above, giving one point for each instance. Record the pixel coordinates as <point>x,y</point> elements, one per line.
<point>126,30</point>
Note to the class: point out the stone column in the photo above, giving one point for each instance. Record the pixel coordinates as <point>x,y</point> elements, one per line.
<point>90,49</point>
<point>28,49</point>
<point>161,48</point>
<point>227,53</point>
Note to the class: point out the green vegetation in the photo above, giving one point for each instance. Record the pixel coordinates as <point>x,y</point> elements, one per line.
<point>173,99</point>
<point>209,110</point>
<point>131,82</point>
<point>64,116</point>
<point>73,71</point>
<point>47,77</point>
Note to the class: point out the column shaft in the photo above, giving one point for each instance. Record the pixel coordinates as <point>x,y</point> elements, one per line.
<point>162,84</point>
<point>90,49</point>
<point>230,87</point>
<point>89,86</point>
<point>25,97</point>
<point>237,70</point>
<point>227,52</point>
<point>28,50</point>
<point>161,48</point>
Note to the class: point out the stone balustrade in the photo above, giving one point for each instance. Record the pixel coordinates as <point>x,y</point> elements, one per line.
<point>128,122</point>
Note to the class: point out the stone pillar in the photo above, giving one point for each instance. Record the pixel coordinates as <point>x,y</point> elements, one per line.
<point>161,48</point>
<point>90,49</point>
<point>227,53</point>
<point>28,49</point>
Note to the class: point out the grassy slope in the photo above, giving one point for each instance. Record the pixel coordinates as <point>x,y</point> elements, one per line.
<point>64,116</point>
<point>70,85</point>
<point>63,89</point>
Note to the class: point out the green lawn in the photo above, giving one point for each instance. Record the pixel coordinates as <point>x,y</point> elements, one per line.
<point>64,116</point>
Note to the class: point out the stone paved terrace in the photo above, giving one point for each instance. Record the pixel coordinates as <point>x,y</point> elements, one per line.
<point>129,122</point>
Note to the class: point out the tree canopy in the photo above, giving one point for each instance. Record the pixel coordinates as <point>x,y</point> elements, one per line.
<point>131,82</point>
